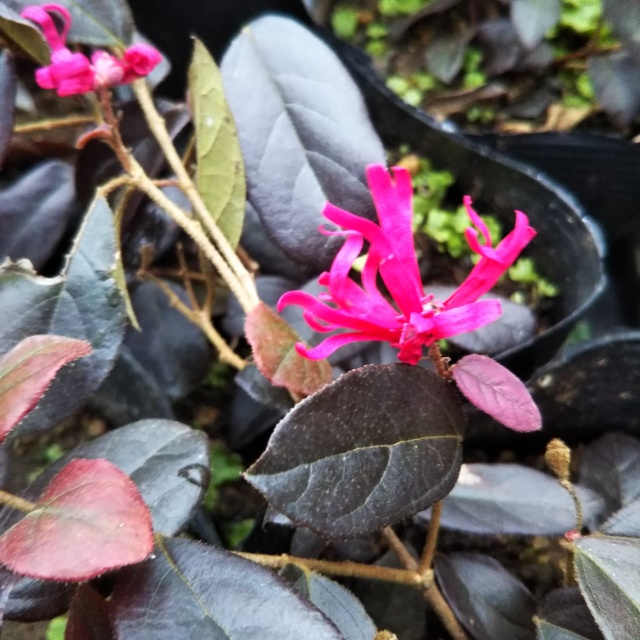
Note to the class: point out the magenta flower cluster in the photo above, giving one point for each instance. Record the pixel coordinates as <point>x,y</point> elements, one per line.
<point>416,319</point>
<point>73,73</point>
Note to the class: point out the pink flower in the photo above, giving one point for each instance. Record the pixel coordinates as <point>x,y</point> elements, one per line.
<point>72,73</point>
<point>139,60</point>
<point>417,320</point>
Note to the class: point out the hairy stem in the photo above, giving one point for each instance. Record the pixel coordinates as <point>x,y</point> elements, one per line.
<point>340,569</point>
<point>53,123</point>
<point>432,539</point>
<point>248,297</point>
<point>397,546</point>
<point>443,611</point>
<point>14,502</point>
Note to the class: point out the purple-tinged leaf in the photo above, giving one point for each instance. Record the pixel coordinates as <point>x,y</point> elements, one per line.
<point>28,369</point>
<point>89,520</point>
<point>190,590</point>
<point>377,445</point>
<point>607,569</point>
<point>533,18</point>
<point>496,391</point>
<point>486,598</point>
<point>273,342</point>
<point>563,615</point>
<point>305,141</point>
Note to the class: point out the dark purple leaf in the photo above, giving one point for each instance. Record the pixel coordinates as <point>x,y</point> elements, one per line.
<point>611,467</point>
<point>84,302</point>
<point>445,55</point>
<point>513,499</point>
<point>167,461</point>
<point>625,522</point>
<point>305,141</point>
<point>191,590</point>
<point>88,617</point>
<point>624,18</point>
<point>500,44</point>
<point>335,601</point>
<point>379,444</point>
<point>496,391</point>
<point>257,387</point>
<point>36,211</point>
<point>607,568</point>
<point>170,348</point>
<point>533,18</point>
<point>489,601</point>
<point>564,615</point>
<point>616,83</point>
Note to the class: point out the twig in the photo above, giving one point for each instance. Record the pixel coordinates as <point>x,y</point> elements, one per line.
<point>432,538</point>
<point>341,569</point>
<point>53,123</point>
<point>14,502</point>
<point>248,297</point>
<point>401,551</point>
<point>443,611</point>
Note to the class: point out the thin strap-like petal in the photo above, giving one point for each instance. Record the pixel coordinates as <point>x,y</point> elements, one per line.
<point>333,343</point>
<point>476,220</point>
<point>462,319</point>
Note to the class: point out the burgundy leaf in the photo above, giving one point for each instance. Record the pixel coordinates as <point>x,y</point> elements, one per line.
<point>273,342</point>
<point>90,519</point>
<point>495,390</point>
<point>28,369</point>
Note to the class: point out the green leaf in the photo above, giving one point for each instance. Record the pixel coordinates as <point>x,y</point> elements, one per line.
<point>220,175</point>
<point>377,445</point>
<point>23,34</point>
<point>608,572</point>
<point>344,22</point>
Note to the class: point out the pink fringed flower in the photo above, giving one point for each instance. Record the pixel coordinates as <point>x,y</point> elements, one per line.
<point>417,320</point>
<point>73,73</point>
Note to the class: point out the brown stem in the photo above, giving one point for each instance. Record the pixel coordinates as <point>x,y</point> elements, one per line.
<point>247,296</point>
<point>588,50</point>
<point>341,569</point>
<point>14,502</point>
<point>443,611</point>
<point>401,551</point>
<point>432,538</point>
<point>53,123</point>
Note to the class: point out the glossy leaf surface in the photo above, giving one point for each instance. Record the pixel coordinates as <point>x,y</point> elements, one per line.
<point>220,172</point>
<point>306,140</point>
<point>28,369</point>
<point>377,445</point>
<point>335,601</point>
<point>563,615</point>
<point>168,462</point>
<point>90,519</point>
<point>82,303</point>
<point>191,590</point>
<point>489,601</point>
<point>496,391</point>
<point>513,499</point>
<point>608,572</point>
<point>611,466</point>
<point>273,342</point>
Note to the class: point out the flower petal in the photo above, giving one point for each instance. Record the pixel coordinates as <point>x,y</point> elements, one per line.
<point>493,264</point>
<point>40,16</point>
<point>333,343</point>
